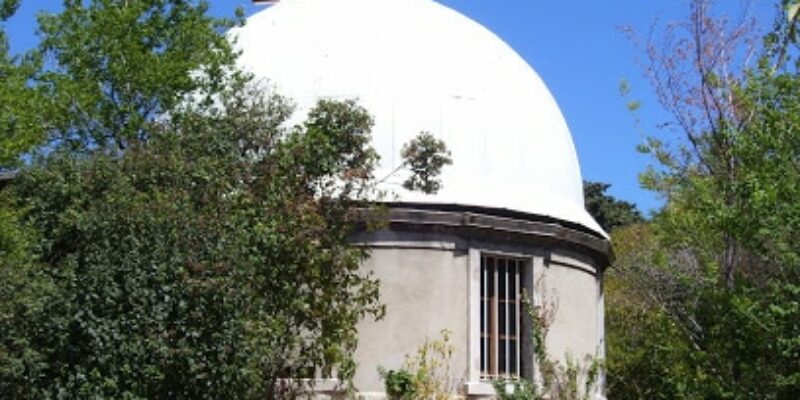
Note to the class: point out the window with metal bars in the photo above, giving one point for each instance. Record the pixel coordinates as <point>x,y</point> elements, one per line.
<point>501,316</point>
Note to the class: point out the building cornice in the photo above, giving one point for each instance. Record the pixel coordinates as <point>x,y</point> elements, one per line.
<point>493,224</point>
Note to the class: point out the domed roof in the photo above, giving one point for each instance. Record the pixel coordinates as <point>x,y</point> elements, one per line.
<point>418,66</point>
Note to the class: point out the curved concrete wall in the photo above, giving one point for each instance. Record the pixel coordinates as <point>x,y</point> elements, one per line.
<point>430,280</point>
<point>425,291</point>
<point>570,283</point>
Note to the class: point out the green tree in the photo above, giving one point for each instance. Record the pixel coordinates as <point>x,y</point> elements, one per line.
<point>24,288</point>
<point>205,263</point>
<point>20,105</point>
<point>608,211</point>
<point>23,285</point>
<point>120,65</point>
<point>721,266</point>
<point>425,156</point>
<point>176,238</point>
<point>106,71</point>
<point>79,82</point>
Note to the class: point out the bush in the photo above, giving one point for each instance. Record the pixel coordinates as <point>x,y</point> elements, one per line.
<point>425,375</point>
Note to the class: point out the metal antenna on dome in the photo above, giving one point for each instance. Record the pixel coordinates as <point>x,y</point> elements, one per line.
<point>264,2</point>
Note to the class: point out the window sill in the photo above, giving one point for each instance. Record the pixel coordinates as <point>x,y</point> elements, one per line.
<point>481,388</point>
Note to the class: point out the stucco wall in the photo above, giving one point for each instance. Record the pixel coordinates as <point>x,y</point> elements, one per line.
<point>428,284</point>
<point>568,284</point>
<point>425,291</point>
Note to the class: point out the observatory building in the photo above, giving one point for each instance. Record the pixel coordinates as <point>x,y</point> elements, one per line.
<point>509,220</point>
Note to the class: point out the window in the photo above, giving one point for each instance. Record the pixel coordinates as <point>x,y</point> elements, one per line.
<point>501,316</point>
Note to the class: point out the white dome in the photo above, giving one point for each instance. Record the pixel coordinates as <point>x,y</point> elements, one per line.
<point>419,66</point>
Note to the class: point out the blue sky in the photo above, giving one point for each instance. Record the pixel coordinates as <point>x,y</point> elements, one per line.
<point>577,49</point>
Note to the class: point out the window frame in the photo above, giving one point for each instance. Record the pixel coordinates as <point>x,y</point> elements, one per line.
<point>502,316</point>
<point>532,264</point>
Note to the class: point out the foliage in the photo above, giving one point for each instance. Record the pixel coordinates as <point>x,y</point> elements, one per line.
<point>571,380</point>
<point>177,267</point>
<point>117,66</point>
<point>173,236</point>
<point>425,375</point>
<point>23,290</point>
<point>521,389</point>
<point>23,286</point>
<point>425,156</point>
<point>608,211</point>
<point>676,332</point>
<point>645,295</point>
<point>8,8</point>
<point>399,384</point>
<point>20,119</point>
<point>709,290</point>
<point>106,71</point>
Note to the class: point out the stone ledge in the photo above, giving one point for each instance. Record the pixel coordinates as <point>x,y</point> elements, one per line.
<point>472,223</point>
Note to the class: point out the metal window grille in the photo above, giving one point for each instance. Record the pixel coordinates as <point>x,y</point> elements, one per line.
<point>501,316</point>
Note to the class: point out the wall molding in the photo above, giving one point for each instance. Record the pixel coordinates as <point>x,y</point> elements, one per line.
<point>470,224</point>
